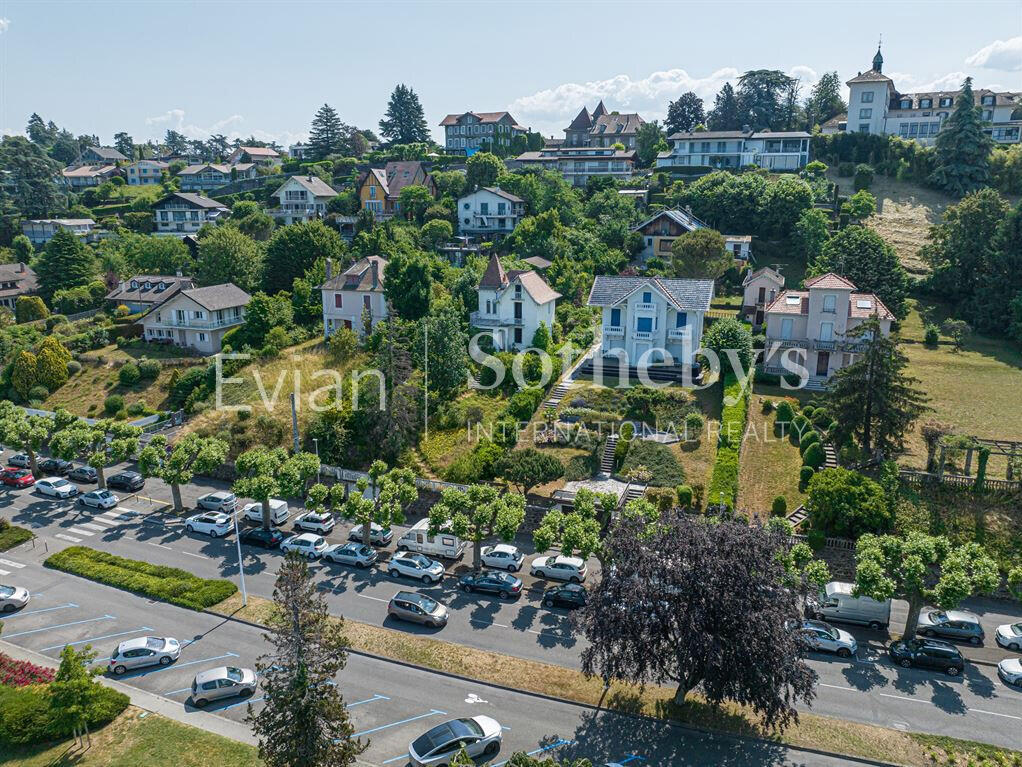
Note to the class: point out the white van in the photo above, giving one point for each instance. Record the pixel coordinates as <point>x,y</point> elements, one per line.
<point>836,603</point>
<point>444,545</point>
<point>253,512</point>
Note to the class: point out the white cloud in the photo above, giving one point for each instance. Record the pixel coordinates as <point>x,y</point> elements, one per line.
<point>4,24</point>
<point>1005,55</point>
<point>952,81</point>
<point>231,126</point>
<point>551,109</point>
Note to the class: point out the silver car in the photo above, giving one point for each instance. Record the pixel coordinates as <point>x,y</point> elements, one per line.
<point>13,598</point>
<point>99,499</point>
<point>144,651</point>
<point>417,608</point>
<point>820,635</point>
<point>415,566</point>
<point>223,682</point>
<point>220,500</point>
<point>478,735</point>
<point>357,554</point>
<point>1010,635</point>
<point>950,624</point>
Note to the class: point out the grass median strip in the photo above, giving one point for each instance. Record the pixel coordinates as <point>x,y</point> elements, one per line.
<point>12,535</point>
<point>170,584</point>
<point>812,731</point>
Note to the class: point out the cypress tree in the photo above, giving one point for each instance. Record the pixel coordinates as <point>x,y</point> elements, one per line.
<point>963,149</point>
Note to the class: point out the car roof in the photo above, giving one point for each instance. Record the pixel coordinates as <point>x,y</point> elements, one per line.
<point>503,547</point>
<point>925,641</point>
<point>961,615</point>
<point>574,561</point>
<point>210,674</point>
<point>219,494</point>
<point>308,537</point>
<point>136,643</point>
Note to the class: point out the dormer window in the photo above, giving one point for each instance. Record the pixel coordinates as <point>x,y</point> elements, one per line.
<point>148,285</point>
<point>906,104</point>
<point>647,298</point>
<point>925,103</point>
<point>988,100</point>
<point>945,101</point>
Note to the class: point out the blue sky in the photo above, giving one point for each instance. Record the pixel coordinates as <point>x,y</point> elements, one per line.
<point>263,68</point>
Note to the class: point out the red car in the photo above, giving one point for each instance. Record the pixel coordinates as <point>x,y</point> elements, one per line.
<point>17,477</point>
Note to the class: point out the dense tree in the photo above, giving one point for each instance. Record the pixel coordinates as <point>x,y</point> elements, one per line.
<point>478,514</point>
<point>23,374</point>
<point>391,492</point>
<point>962,147</point>
<point>407,283</point>
<point>649,140</point>
<point>684,114</point>
<point>861,205</point>
<point>30,308</point>
<point>441,351</point>
<point>51,363</point>
<point>150,255</point>
<point>125,144</point>
<point>861,255</point>
<point>700,253</point>
<point>727,202</point>
<point>176,143</point>
<point>847,504</point>
<point>873,399</point>
<point>65,263</point>
<point>760,97</point>
<point>922,569</point>
<point>414,200</point>
<point>824,100</point>
<point>726,112</point>
<point>227,255</point>
<point>99,444</point>
<point>811,233</point>
<point>1001,280</point>
<point>783,203</point>
<point>23,432</point>
<point>482,169</point>
<point>670,608</point>
<point>326,134</point>
<point>529,467</point>
<point>436,232</point>
<point>580,531</point>
<point>38,132</point>
<point>405,121</point>
<point>293,250</point>
<point>304,721</point>
<point>22,248</point>
<point>177,465</point>
<point>264,473</point>
<point>29,176</point>
<point>730,334</point>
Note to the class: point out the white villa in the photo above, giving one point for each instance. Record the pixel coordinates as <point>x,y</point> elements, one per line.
<point>197,318</point>
<point>303,198</point>
<point>352,292</point>
<point>489,210</point>
<point>182,213</point>
<point>145,172</point>
<point>759,289</point>
<point>649,318</point>
<point>736,149</point>
<point>41,230</point>
<point>512,305</point>
<point>210,175</point>
<point>808,327</point>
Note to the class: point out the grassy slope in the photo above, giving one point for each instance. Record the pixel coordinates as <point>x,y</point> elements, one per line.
<point>443,446</point>
<point>769,464</point>
<point>85,392</point>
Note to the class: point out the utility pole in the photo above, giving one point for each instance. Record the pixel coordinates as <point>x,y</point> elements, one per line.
<point>294,422</point>
<point>425,374</point>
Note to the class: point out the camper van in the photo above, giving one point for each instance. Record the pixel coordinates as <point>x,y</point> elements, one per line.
<point>445,545</point>
<point>836,603</point>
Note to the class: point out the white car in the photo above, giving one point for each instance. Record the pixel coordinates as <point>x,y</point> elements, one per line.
<point>220,500</point>
<point>560,568</point>
<point>357,554</point>
<point>1010,635</point>
<point>415,566</point>
<point>315,522</point>
<point>479,736</point>
<point>503,556</point>
<point>209,523</point>
<point>56,487</point>
<point>144,651</point>
<point>21,460</point>
<point>253,512</point>
<point>1010,671</point>
<point>307,544</point>
<point>820,635</point>
<point>13,598</point>
<point>99,499</point>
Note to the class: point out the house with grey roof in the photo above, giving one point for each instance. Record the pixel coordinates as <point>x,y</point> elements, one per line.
<point>603,128</point>
<point>143,292</point>
<point>16,280</point>
<point>41,230</point>
<point>489,210</point>
<point>210,175</point>
<point>196,318</point>
<point>512,306</point>
<point>702,151</point>
<point>578,164</point>
<point>302,198</point>
<point>181,213</point>
<point>651,320</point>
<point>355,297</point>
<point>660,230</point>
<point>100,155</point>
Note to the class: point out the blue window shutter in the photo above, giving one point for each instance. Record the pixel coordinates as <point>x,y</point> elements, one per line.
<point>681,320</point>
<point>644,324</point>
<point>615,318</point>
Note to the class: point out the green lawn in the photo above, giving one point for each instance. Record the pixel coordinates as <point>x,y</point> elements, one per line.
<point>769,465</point>
<point>85,392</point>
<point>12,535</point>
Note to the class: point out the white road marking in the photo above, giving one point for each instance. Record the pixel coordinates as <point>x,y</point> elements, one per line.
<point>68,538</point>
<point>488,623</point>
<point>903,697</point>
<point>995,713</point>
<point>162,546</point>
<point>10,563</point>
<point>90,526</point>
<point>837,687</point>
<point>375,599</point>
<point>80,531</point>
<point>197,556</point>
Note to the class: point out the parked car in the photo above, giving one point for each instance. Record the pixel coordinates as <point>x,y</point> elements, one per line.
<point>416,566</point>
<point>835,602</point>
<point>357,554</point>
<point>478,736</point>
<point>559,568</point>
<point>218,500</point>
<point>223,682</point>
<point>21,460</point>
<point>257,536</point>
<point>129,481</point>
<point>444,544</point>
<point>55,467</point>
<point>209,523</point>
<point>253,512</point>
<point>56,487</point>
<point>417,608</point>
<point>1010,671</point>
<point>144,651</point>
<point>950,624</point>
<point>85,474</point>
<point>378,536</point>
<point>15,477</point>
<point>570,595</point>
<point>13,598</point>
<point>497,582</point>
<point>1009,635</point>
<point>307,544</point>
<point>820,635</point>
<point>99,499</point>
<point>928,653</point>
<point>315,522</point>
<point>503,556</point>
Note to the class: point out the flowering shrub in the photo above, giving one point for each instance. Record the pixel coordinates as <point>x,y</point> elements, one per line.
<point>19,673</point>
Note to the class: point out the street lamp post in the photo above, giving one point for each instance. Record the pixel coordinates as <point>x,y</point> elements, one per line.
<point>241,563</point>
<point>315,445</point>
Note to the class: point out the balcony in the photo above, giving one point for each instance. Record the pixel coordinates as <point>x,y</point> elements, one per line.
<point>787,343</point>
<point>174,322</point>
<point>613,331</point>
<point>645,307</point>
<point>678,333</point>
<point>643,335</point>
<point>825,346</point>
<point>481,320</point>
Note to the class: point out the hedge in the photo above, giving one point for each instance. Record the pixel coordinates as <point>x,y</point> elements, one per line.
<point>732,428</point>
<point>28,715</point>
<point>169,584</point>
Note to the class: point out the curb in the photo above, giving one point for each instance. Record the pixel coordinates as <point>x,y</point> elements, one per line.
<point>589,706</point>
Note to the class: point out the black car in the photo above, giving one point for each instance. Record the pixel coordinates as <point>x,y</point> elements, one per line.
<point>570,595</point>
<point>267,539</point>
<point>55,467</point>
<point>492,582</point>
<point>928,653</point>
<point>126,480</point>
<point>83,474</point>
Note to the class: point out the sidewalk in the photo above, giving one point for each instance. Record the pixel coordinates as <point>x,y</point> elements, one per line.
<point>147,701</point>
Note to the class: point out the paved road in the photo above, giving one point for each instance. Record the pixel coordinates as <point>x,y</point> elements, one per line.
<point>390,705</point>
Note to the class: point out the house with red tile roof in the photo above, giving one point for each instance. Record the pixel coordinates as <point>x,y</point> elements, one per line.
<point>379,189</point>
<point>354,296</point>
<point>512,305</point>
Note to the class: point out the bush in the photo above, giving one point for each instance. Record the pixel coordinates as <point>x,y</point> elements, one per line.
<point>805,474</point>
<point>768,406</point>
<point>808,439</point>
<point>624,441</point>
<point>658,459</point>
<point>931,336</point>
<point>724,481</point>
<point>128,374</point>
<point>684,496</point>
<point>136,408</point>
<point>779,507</point>
<point>814,456</point>
<point>846,503</point>
<point>149,369</point>
<point>863,177</point>
<point>800,423</point>
<point>808,411</point>
<point>19,673</point>
<point>74,366</point>
<point>38,393</point>
<point>113,404</point>
<point>821,418</point>
<point>28,714</point>
<point>55,319</point>
<point>523,404</point>
<point>784,411</point>
<point>694,423</point>
<point>816,539</point>
<point>846,169</point>
<point>168,584</point>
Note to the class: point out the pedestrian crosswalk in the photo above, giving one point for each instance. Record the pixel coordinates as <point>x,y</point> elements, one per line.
<point>100,523</point>
<point>9,563</point>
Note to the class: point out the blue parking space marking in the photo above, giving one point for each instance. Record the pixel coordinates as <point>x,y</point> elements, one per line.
<point>60,626</point>
<point>37,612</point>
<point>632,758</point>
<point>170,666</point>
<point>368,700</point>
<point>551,747</point>
<point>177,692</point>
<point>96,639</point>
<point>395,758</point>
<point>239,703</point>
<point>432,712</point>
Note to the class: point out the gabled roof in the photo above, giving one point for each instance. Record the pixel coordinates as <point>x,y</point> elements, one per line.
<point>192,169</point>
<point>830,281</point>
<point>681,217</point>
<point>151,294</point>
<point>798,303</point>
<point>364,275</point>
<point>600,110</point>
<point>258,151</point>
<point>865,305</point>
<point>687,295</point>
<point>17,273</point>
<point>148,161</point>
<point>766,271</point>
<point>314,184</point>
<point>535,286</point>
<point>582,121</point>
<point>63,221</point>
<point>872,76</point>
<point>501,193</point>
<point>217,297</point>
<point>396,175</point>
<point>616,124</point>
<point>85,171</point>
<point>105,153</point>
<point>192,199</point>
<point>483,117</point>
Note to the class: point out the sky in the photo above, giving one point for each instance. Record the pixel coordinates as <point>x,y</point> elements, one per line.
<point>263,68</point>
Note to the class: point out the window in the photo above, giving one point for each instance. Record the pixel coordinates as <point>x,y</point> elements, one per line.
<point>867,97</point>
<point>906,104</point>
<point>988,101</point>
<point>925,103</point>
<point>644,324</point>
<point>865,114</point>
<point>615,318</point>
<point>372,192</point>
<point>786,326</point>
<point>988,115</point>
<point>202,338</point>
<point>338,301</point>
<point>826,331</point>
<point>647,298</point>
<point>518,335</point>
<point>830,303</point>
<point>945,101</point>
<point>863,127</point>
<point>681,320</point>
<point>721,146</point>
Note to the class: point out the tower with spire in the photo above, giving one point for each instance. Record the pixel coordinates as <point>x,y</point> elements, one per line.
<point>878,59</point>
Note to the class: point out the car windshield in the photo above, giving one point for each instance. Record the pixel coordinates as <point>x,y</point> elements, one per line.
<point>362,549</point>
<point>427,604</point>
<point>1016,629</point>
<point>234,673</point>
<point>419,560</point>
<point>503,577</point>
<point>104,494</point>
<point>154,643</point>
<point>60,483</point>
<point>438,736</point>
<point>938,617</point>
<point>6,591</point>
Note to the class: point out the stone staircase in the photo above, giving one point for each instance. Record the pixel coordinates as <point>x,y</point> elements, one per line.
<point>633,492</point>
<point>798,516</point>
<point>607,459</point>
<point>557,394</point>
<point>829,456</point>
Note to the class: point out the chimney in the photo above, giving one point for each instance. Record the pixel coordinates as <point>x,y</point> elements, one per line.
<point>179,273</point>
<point>120,285</point>
<point>329,268</point>
<point>21,266</point>
<point>376,273</point>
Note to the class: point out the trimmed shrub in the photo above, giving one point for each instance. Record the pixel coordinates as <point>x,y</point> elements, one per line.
<point>779,507</point>
<point>128,374</point>
<point>768,406</point>
<point>136,408</point>
<point>863,177</point>
<point>38,392</point>
<point>113,404</point>
<point>694,423</point>
<point>931,335</point>
<point>821,418</point>
<point>846,169</point>
<point>55,319</point>
<point>74,366</point>
<point>808,411</point>
<point>816,539</point>
<point>625,435</point>
<point>809,438</point>
<point>149,369</point>
<point>804,475</point>
<point>784,411</point>
<point>28,714</point>
<point>814,456</point>
<point>684,493</point>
